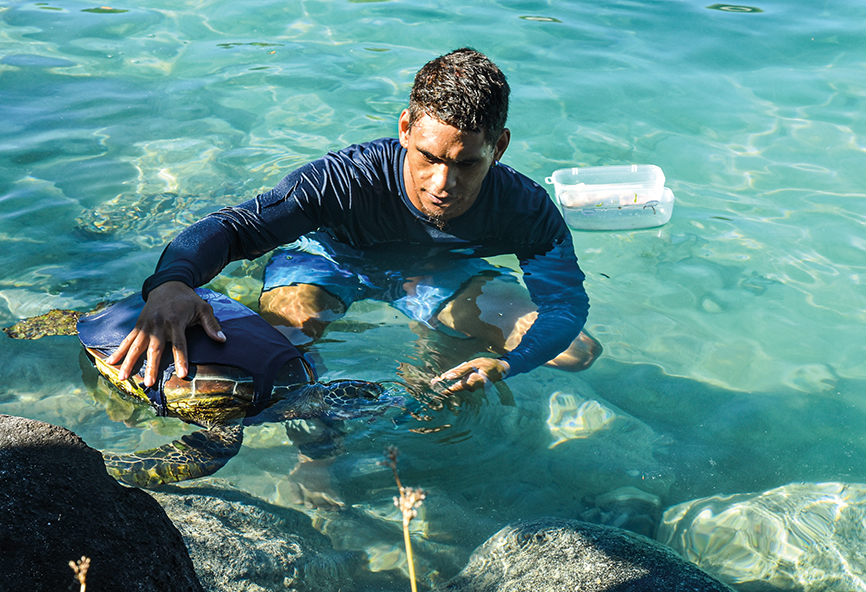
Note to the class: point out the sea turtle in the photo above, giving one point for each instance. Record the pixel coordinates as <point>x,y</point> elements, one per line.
<point>268,380</point>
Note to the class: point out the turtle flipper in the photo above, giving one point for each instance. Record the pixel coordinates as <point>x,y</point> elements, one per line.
<point>195,455</point>
<point>53,322</point>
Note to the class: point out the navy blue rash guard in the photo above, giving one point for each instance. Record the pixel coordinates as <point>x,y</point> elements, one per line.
<point>357,196</point>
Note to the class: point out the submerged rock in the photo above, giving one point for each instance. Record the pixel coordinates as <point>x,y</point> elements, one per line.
<point>626,507</point>
<point>803,536</point>
<point>598,449</point>
<point>240,544</point>
<point>58,504</point>
<point>556,554</point>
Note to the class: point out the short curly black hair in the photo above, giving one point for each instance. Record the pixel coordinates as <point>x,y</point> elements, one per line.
<point>463,89</point>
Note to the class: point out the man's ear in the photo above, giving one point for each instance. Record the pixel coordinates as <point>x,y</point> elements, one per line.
<point>501,144</point>
<point>403,128</point>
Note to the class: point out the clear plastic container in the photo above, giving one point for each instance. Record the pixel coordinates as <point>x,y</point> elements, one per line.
<point>623,197</point>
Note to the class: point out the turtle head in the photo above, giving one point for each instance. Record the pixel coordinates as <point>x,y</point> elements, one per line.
<point>53,322</point>
<point>351,399</point>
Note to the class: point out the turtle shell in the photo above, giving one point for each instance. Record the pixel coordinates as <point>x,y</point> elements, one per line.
<point>227,380</point>
<point>212,393</point>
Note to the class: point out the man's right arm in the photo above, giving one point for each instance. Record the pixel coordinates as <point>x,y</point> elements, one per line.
<point>312,196</point>
<point>192,259</point>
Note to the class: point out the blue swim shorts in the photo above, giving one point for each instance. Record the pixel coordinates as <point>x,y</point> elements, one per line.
<point>418,290</point>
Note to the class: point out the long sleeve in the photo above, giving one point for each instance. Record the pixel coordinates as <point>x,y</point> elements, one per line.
<point>357,196</point>
<point>245,231</point>
<point>555,284</point>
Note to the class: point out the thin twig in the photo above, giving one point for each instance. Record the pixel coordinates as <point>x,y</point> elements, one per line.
<point>408,502</point>
<point>80,570</point>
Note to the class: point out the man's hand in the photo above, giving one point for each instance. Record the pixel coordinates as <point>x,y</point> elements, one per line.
<point>170,308</point>
<point>473,374</point>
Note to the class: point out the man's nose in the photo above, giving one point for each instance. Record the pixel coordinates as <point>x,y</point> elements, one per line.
<point>444,177</point>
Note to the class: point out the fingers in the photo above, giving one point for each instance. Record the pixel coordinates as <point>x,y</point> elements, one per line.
<point>171,308</point>
<point>204,316</point>
<point>141,342</point>
<point>473,374</point>
<point>154,354</point>
<point>130,350</point>
<point>463,372</point>
<point>121,349</point>
<point>468,377</point>
<point>179,352</point>
<point>133,347</point>
<point>476,366</point>
<point>468,382</point>
<point>210,325</point>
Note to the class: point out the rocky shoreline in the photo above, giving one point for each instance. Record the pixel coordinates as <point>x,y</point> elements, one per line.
<point>59,504</point>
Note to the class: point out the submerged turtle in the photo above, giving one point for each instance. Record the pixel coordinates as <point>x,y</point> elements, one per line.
<point>257,375</point>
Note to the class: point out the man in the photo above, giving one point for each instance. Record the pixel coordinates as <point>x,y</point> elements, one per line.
<point>406,221</point>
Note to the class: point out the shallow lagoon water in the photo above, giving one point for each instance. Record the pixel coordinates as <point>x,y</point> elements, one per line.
<point>733,335</point>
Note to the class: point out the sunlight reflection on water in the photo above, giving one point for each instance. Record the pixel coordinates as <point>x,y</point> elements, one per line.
<point>733,335</point>
<point>791,537</point>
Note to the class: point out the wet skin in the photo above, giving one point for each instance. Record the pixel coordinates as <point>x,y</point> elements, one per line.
<point>444,166</point>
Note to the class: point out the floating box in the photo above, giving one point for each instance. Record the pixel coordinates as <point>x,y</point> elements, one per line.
<point>623,197</point>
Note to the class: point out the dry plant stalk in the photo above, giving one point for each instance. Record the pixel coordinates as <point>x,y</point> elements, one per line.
<point>408,502</point>
<point>80,570</point>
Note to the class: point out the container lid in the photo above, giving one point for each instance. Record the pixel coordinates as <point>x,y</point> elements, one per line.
<point>648,175</point>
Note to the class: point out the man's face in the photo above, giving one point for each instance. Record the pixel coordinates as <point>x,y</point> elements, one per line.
<point>445,167</point>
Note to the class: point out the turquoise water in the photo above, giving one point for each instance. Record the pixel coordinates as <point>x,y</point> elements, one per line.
<point>733,335</point>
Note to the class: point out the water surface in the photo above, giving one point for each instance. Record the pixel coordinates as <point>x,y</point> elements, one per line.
<point>733,335</point>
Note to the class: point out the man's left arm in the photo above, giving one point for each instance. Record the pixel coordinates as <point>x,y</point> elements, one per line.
<point>529,222</point>
<point>555,284</point>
